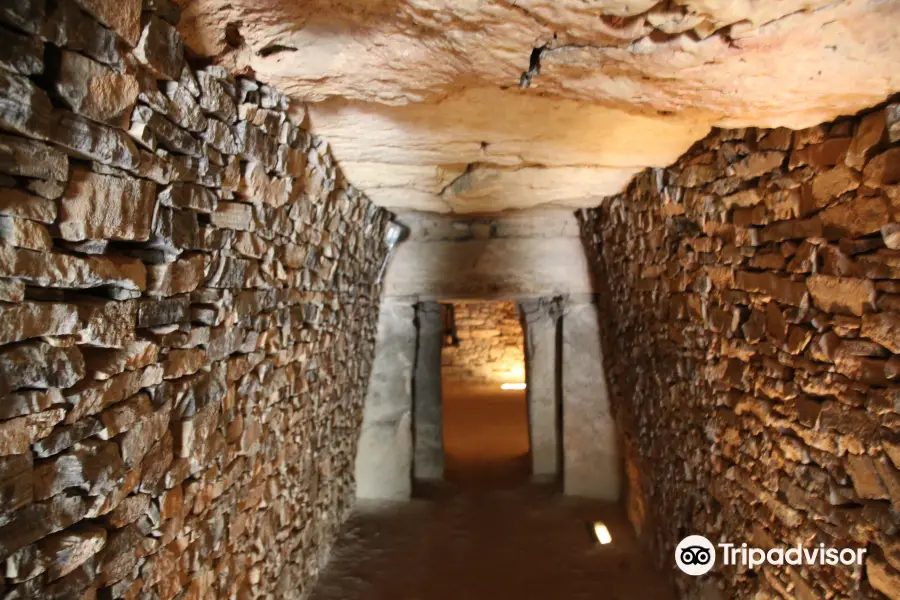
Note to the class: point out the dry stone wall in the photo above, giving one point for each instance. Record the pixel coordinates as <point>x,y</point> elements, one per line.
<point>186,317</point>
<point>491,344</point>
<point>752,315</point>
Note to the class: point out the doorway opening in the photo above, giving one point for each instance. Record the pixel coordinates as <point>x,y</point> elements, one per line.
<point>485,411</point>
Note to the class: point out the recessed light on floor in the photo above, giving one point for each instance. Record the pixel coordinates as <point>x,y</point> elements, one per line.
<point>601,533</point>
<point>513,386</point>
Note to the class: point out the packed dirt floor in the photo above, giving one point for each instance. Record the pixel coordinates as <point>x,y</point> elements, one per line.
<point>487,532</point>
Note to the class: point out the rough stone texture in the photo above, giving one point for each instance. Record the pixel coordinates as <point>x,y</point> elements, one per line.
<point>750,356</point>
<point>384,458</point>
<point>428,422</point>
<point>160,49</point>
<point>96,206</point>
<point>591,463</point>
<point>491,347</point>
<point>180,398</point>
<point>122,16</point>
<point>527,254</point>
<point>421,98</point>
<point>94,90</point>
<point>23,233</point>
<point>20,156</point>
<point>477,151</point>
<point>540,322</point>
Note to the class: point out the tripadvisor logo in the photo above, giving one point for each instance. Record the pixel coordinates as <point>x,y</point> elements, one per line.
<point>696,555</point>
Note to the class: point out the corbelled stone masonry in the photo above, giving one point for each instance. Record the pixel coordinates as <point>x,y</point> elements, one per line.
<point>491,344</point>
<point>752,315</point>
<point>186,317</point>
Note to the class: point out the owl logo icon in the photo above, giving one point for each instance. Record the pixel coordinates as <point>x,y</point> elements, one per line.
<point>695,555</point>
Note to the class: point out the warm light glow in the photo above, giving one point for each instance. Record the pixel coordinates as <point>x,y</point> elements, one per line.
<point>513,386</point>
<point>517,371</point>
<point>602,533</point>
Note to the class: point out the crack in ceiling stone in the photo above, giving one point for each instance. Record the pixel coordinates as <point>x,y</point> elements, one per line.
<point>410,92</point>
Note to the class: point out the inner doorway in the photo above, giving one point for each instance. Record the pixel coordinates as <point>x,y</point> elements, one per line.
<point>485,411</point>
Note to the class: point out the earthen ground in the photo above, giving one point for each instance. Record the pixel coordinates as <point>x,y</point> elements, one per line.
<point>487,532</point>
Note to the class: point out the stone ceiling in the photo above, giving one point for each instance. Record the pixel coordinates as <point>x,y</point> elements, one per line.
<point>480,106</point>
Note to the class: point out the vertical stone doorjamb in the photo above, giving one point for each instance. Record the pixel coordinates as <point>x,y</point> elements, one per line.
<point>385,452</point>
<point>428,430</point>
<point>591,463</point>
<point>540,320</point>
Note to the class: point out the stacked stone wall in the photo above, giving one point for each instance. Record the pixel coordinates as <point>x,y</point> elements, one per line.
<point>491,344</point>
<point>186,317</point>
<point>751,303</point>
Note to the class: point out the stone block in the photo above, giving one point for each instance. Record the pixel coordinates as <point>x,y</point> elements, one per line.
<point>67,26</point>
<point>91,465</point>
<point>39,365</point>
<point>883,169</point>
<point>215,97</point>
<point>892,121</point>
<point>160,48</point>
<point>16,484</point>
<point>884,328</point>
<point>40,519</point>
<point>183,110</point>
<point>830,185</point>
<point>779,288</point>
<point>35,319</point>
<point>122,16</point>
<point>869,133</point>
<point>94,141</point>
<point>123,416</point>
<point>94,90</point>
<point>27,402</point>
<point>891,235</point>
<point>233,215</point>
<point>64,437</point>
<point>91,397</point>
<point>883,578</point>
<point>26,15</point>
<point>16,203</point>
<point>62,270</point>
<point>103,363</point>
<point>857,217</point>
<point>106,323</point>
<point>12,290</point>
<point>825,154</point>
<point>22,54</point>
<point>156,313</point>
<point>175,229</point>
<point>56,555</point>
<point>23,233</point>
<point>24,108</point>
<point>179,277</point>
<point>756,164</point>
<point>168,135</point>
<point>220,136</point>
<point>842,295</point>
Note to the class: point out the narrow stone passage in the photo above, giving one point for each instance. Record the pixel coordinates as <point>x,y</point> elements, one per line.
<point>486,533</point>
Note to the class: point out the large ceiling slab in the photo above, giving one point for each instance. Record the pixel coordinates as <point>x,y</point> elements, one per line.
<point>421,99</point>
<point>489,149</point>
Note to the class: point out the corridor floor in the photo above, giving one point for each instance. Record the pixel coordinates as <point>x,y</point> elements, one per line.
<point>487,534</point>
<point>477,544</point>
